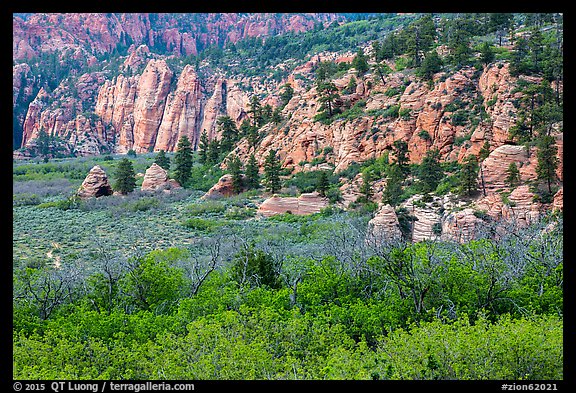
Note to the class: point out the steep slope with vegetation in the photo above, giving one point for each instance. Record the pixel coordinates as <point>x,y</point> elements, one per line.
<point>435,141</point>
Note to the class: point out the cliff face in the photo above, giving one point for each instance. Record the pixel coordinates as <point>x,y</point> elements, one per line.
<point>151,95</point>
<point>426,118</point>
<point>178,34</point>
<point>182,113</point>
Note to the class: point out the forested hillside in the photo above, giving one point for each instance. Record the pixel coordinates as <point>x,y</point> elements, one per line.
<point>288,196</point>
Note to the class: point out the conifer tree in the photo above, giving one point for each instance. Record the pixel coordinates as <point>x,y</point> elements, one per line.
<point>366,191</point>
<point>401,152</point>
<point>162,160</point>
<point>328,96</point>
<point>393,191</point>
<point>272,168</point>
<point>213,152</point>
<point>256,111</point>
<point>203,147</point>
<point>482,155</point>
<point>252,178</point>
<point>512,176</point>
<point>323,183</point>
<point>286,95</point>
<point>235,169</point>
<point>229,133</point>
<point>430,172</point>
<point>469,176</point>
<point>183,160</point>
<point>360,63</point>
<point>547,160</point>
<point>125,177</point>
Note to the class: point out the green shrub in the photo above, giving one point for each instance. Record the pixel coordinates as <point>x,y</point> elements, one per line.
<point>256,268</point>
<point>200,224</point>
<point>206,207</point>
<point>143,204</point>
<point>394,91</point>
<point>459,118</point>
<point>72,202</point>
<point>240,213</point>
<point>425,135</point>
<point>25,200</point>
<point>404,113</point>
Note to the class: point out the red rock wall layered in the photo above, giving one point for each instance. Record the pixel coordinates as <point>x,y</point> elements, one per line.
<point>182,112</point>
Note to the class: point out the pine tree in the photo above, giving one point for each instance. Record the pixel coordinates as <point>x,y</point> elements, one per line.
<point>328,96</point>
<point>468,180</point>
<point>401,152</point>
<point>276,117</point>
<point>420,38</point>
<point>393,191</point>
<point>482,155</point>
<point>183,160</point>
<point>125,177</point>
<point>351,87</point>
<point>430,171</point>
<point>203,147</point>
<point>272,169</point>
<point>323,183</point>
<point>484,151</point>
<point>235,169</point>
<point>487,53</point>
<point>252,179</point>
<point>366,191</point>
<point>229,133</point>
<point>382,69</point>
<point>360,63</point>
<point>213,152</point>
<point>512,176</point>
<point>286,95</point>
<point>162,160</point>
<point>256,111</point>
<point>547,160</point>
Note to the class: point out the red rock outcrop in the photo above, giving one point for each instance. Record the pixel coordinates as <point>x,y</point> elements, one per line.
<point>494,167</point>
<point>369,136</point>
<point>156,178</point>
<point>384,226</point>
<point>115,106</point>
<point>182,112</point>
<point>22,83</point>
<point>558,203</point>
<point>428,217</point>
<point>496,85</point>
<point>214,108</point>
<point>221,189</point>
<point>309,203</point>
<point>461,226</point>
<point>151,95</point>
<point>103,32</point>
<point>522,209</point>
<point>95,184</point>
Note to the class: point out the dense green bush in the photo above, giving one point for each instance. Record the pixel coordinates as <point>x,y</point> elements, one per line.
<point>201,224</point>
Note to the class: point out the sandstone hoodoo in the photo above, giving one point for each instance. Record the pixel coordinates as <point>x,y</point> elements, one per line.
<point>156,178</point>
<point>95,184</point>
<point>307,203</point>
<point>384,226</point>
<point>224,188</point>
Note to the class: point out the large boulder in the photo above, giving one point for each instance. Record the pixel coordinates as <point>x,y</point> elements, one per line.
<point>558,203</point>
<point>156,178</point>
<point>384,226</point>
<point>309,203</point>
<point>221,189</point>
<point>461,226</point>
<point>95,184</point>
